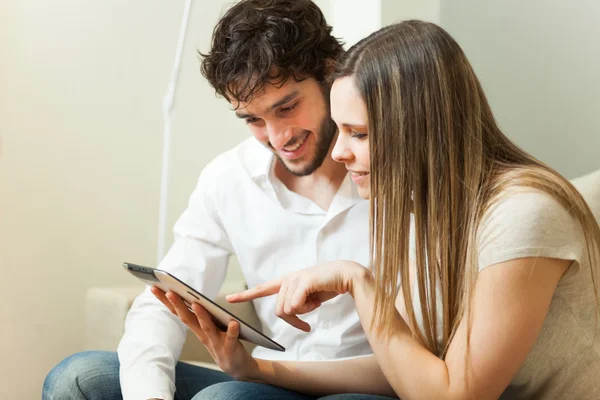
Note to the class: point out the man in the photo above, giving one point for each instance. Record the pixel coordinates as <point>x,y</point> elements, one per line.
<point>278,201</point>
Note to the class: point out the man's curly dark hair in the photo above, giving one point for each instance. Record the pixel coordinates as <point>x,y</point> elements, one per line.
<point>268,41</point>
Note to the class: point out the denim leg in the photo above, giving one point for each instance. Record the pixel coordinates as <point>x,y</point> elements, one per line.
<point>248,391</point>
<point>94,375</point>
<point>356,396</point>
<point>190,379</point>
<point>84,376</point>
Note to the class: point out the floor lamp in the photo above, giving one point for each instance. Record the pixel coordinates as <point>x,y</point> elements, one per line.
<point>168,105</point>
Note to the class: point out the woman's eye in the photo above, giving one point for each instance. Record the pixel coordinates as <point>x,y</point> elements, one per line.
<point>358,135</point>
<point>251,120</point>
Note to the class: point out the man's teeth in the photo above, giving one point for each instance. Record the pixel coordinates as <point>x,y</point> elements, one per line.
<point>296,146</point>
<point>359,173</point>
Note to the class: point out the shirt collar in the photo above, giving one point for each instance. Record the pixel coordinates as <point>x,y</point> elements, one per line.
<point>262,173</point>
<point>261,167</point>
<point>346,197</point>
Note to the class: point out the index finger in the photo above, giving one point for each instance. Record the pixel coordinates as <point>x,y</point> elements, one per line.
<point>266,289</point>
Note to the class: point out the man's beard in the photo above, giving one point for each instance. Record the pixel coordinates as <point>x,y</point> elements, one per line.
<point>324,137</point>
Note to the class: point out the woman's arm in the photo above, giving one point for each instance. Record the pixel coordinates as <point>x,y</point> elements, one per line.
<point>357,375</point>
<point>510,305</point>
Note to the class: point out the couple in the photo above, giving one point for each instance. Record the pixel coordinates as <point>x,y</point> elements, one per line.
<point>470,273</point>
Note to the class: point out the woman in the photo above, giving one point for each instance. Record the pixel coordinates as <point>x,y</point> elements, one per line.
<point>499,295</point>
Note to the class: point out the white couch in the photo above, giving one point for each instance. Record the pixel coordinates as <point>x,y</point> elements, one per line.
<point>106,308</point>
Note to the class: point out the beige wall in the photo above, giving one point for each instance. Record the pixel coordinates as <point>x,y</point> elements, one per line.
<point>397,10</point>
<point>81,86</point>
<point>538,61</point>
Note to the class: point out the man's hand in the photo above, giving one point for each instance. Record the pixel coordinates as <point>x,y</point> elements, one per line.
<point>224,347</point>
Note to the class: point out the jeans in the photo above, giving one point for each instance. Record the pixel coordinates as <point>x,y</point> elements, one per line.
<point>259,391</point>
<point>94,375</point>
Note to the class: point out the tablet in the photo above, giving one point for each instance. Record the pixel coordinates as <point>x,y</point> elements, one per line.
<point>221,317</point>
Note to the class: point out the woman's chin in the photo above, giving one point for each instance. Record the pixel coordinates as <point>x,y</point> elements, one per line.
<point>364,192</point>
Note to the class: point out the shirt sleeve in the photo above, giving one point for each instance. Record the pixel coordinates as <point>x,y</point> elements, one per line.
<point>151,345</point>
<point>530,223</point>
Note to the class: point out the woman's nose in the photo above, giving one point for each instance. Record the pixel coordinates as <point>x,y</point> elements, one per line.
<point>341,151</point>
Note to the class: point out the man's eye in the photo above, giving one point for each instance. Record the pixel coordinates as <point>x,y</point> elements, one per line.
<point>251,120</point>
<point>289,108</point>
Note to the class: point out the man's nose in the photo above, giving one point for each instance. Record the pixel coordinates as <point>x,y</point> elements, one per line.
<point>279,136</point>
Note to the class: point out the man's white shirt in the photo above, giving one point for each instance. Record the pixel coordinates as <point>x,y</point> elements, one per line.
<point>239,207</point>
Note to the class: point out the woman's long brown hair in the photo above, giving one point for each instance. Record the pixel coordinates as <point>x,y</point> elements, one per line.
<point>437,152</point>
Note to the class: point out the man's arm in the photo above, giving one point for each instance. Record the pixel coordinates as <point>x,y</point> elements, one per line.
<point>153,338</point>
<point>149,350</point>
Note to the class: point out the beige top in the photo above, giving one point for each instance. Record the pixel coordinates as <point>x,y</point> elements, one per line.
<point>564,363</point>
